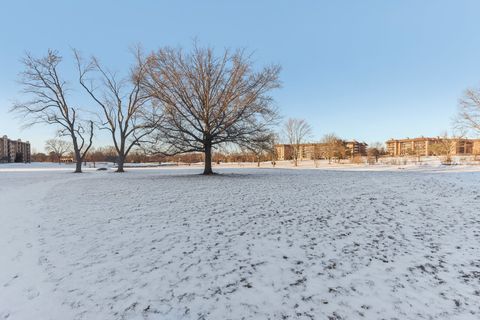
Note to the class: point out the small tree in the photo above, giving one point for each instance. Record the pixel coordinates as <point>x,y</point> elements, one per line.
<point>273,152</point>
<point>260,147</point>
<point>58,148</point>
<point>333,147</point>
<point>317,154</point>
<point>375,150</point>
<point>296,131</point>
<point>445,147</point>
<point>49,104</point>
<point>210,100</point>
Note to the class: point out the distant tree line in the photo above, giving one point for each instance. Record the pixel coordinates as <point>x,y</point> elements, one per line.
<point>109,154</point>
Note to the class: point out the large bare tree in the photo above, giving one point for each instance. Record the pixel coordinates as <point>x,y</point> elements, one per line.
<point>58,147</point>
<point>296,131</point>
<point>126,112</point>
<point>49,103</point>
<point>210,100</point>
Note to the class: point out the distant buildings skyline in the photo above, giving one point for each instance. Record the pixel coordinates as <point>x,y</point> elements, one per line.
<point>425,146</point>
<point>393,146</point>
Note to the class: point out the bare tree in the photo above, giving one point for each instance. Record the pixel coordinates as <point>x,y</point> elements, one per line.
<point>210,100</point>
<point>333,147</point>
<point>273,152</point>
<point>58,147</point>
<point>49,105</point>
<point>260,147</point>
<point>375,150</point>
<point>296,131</point>
<point>469,111</point>
<point>445,147</point>
<point>126,111</point>
<point>317,154</point>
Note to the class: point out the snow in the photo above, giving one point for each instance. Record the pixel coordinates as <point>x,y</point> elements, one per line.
<point>378,242</point>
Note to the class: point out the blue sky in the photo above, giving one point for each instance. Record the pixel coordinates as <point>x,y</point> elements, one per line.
<point>368,70</point>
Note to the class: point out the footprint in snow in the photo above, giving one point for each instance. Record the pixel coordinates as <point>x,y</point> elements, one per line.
<point>32,293</point>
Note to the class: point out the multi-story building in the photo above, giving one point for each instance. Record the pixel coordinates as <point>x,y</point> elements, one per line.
<point>14,150</point>
<point>426,146</point>
<point>310,151</point>
<point>355,148</point>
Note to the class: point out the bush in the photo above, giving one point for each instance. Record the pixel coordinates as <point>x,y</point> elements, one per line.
<point>356,160</point>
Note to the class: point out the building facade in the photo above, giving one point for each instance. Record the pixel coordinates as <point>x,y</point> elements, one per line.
<point>311,151</point>
<point>426,146</point>
<point>14,150</point>
<point>355,148</point>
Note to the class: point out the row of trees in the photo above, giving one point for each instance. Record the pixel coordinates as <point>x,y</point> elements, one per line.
<point>55,153</point>
<point>297,130</point>
<point>170,102</point>
<point>59,150</point>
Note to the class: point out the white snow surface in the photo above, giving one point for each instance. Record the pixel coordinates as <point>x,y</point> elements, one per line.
<point>245,244</point>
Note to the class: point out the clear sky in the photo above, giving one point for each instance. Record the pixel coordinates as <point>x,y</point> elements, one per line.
<point>366,70</point>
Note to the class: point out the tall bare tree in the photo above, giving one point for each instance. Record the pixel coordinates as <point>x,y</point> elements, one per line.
<point>126,111</point>
<point>260,147</point>
<point>296,131</point>
<point>210,100</point>
<point>49,104</point>
<point>58,147</point>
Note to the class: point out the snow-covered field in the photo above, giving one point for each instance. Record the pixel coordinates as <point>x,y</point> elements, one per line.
<point>246,244</point>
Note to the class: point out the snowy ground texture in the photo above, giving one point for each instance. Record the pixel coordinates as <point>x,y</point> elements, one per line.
<point>246,244</point>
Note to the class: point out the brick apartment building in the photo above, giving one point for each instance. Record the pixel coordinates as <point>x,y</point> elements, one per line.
<point>310,151</point>
<point>425,146</point>
<point>14,150</point>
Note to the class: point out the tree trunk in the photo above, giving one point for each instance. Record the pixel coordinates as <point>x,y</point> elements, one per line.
<point>208,159</point>
<point>78,158</point>
<point>295,156</point>
<point>121,161</point>
<point>78,166</point>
